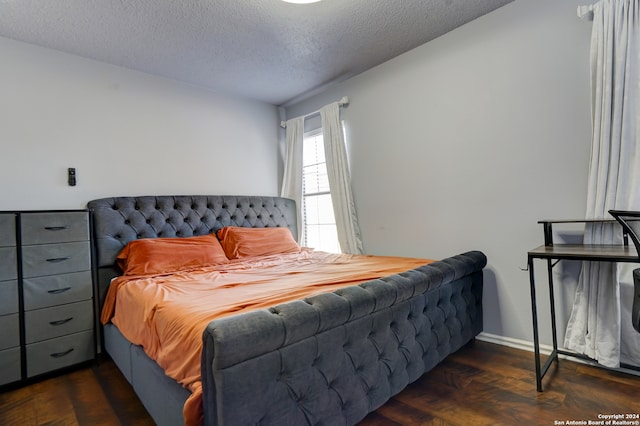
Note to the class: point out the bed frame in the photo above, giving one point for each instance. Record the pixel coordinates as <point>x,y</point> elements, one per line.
<point>329,359</point>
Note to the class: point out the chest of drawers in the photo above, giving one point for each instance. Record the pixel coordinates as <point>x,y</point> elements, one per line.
<point>10,353</point>
<point>48,314</point>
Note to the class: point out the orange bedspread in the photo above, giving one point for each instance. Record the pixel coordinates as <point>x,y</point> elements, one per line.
<point>167,314</point>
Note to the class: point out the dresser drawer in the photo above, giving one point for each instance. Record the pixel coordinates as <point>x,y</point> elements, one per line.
<point>51,259</point>
<point>8,297</point>
<point>42,292</point>
<point>57,227</point>
<point>9,366</point>
<point>48,323</point>
<point>7,230</point>
<point>8,259</point>
<point>57,353</point>
<point>9,331</point>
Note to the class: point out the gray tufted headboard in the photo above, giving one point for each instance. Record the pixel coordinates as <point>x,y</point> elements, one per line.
<point>118,220</point>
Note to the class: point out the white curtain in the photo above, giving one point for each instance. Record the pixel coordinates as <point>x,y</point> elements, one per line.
<point>614,173</point>
<point>292,178</point>
<point>340,180</point>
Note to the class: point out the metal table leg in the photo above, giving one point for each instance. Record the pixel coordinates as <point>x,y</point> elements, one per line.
<point>534,313</point>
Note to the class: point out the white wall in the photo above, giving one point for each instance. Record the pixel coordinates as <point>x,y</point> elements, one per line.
<point>467,141</point>
<point>126,133</point>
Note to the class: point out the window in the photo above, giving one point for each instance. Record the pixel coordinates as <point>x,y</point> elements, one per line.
<point>320,230</point>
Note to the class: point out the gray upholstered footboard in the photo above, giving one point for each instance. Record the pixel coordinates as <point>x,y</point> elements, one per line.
<point>336,357</point>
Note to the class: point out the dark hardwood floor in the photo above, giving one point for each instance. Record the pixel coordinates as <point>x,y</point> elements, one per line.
<point>482,384</point>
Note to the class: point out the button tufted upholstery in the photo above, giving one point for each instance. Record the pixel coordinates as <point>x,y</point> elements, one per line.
<point>122,219</point>
<point>326,360</point>
<point>333,358</point>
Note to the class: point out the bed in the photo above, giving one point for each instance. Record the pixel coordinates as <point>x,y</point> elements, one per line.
<point>330,358</point>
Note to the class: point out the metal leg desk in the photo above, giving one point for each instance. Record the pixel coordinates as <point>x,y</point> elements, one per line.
<point>557,252</point>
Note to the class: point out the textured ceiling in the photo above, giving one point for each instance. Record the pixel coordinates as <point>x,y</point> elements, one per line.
<point>267,50</point>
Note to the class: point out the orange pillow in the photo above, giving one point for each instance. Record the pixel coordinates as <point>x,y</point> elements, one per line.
<point>239,242</point>
<point>162,255</point>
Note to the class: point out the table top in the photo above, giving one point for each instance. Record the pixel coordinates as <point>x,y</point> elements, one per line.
<point>608,220</point>
<point>609,253</point>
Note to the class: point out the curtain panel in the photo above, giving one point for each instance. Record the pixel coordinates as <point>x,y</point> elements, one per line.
<point>340,180</point>
<point>594,327</point>
<point>292,176</point>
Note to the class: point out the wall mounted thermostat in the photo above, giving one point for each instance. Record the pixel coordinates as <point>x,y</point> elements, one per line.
<point>72,176</point>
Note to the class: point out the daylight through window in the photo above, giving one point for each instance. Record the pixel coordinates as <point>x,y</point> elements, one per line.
<point>320,225</point>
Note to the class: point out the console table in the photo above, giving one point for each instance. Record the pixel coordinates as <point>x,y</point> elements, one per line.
<point>556,252</point>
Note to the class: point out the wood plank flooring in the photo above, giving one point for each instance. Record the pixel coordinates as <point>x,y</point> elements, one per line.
<point>482,384</point>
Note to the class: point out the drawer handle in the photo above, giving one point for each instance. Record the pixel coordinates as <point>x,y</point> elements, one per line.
<point>58,259</point>
<point>61,354</point>
<point>55,228</point>
<point>60,322</point>
<point>59,290</point>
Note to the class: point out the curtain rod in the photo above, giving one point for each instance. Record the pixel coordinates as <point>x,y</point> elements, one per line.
<point>342,102</point>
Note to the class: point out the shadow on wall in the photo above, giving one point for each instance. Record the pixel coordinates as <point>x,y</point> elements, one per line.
<point>491,303</point>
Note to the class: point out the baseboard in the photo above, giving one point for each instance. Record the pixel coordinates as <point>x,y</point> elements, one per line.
<point>526,345</point>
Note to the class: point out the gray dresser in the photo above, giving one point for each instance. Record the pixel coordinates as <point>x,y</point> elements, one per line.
<point>10,358</point>
<point>52,315</point>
